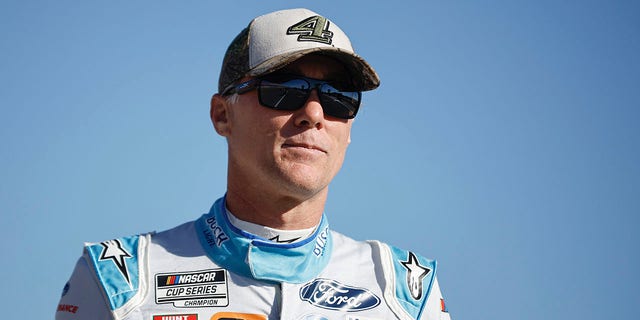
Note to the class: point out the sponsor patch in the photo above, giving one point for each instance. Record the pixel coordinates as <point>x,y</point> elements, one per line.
<point>321,242</point>
<point>415,274</point>
<point>237,316</point>
<point>176,317</point>
<point>195,289</point>
<point>443,306</point>
<point>67,308</point>
<point>214,234</point>
<point>113,250</point>
<point>333,295</point>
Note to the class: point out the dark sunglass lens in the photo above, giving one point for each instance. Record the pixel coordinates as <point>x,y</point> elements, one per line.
<point>339,104</point>
<point>289,95</point>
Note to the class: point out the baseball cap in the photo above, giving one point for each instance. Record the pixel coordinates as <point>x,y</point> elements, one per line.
<point>276,39</point>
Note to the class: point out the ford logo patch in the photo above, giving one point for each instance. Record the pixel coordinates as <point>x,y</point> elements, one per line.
<point>333,295</point>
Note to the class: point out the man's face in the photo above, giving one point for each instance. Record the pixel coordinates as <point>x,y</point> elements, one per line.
<point>290,153</point>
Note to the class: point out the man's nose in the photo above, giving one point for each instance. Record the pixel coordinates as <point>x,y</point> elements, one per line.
<point>311,113</point>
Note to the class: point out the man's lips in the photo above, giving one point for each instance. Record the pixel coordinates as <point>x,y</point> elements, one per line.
<point>303,145</point>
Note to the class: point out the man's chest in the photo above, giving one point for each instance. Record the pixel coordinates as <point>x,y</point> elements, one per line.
<point>196,288</point>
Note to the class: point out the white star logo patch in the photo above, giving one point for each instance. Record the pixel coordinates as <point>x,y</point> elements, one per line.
<point>113,250</point>
<point>415,274</point>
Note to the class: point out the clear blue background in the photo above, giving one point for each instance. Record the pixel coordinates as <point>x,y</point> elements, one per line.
<point>504,141</point>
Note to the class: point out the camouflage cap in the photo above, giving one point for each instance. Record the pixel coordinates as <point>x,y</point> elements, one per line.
<point>274,40</point>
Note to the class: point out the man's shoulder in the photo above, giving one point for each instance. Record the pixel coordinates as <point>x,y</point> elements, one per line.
<point>408,279</point>
<point>344,240</point>
<point>132,246</point>
<point>119,264</point>
<point>177,235</point>
<point>382,247</point>
<point>118,267</point>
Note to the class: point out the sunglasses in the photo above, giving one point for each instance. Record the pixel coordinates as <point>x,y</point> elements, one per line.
<point>291,92</point>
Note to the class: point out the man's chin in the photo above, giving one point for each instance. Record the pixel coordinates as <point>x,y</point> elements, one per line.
<point>306,185</point>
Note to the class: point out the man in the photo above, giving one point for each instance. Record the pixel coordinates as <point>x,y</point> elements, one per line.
<point>289,89</point>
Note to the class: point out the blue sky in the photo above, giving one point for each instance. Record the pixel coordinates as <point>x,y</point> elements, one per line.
<point>504,141</point>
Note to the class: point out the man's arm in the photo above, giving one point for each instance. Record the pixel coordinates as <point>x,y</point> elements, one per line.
<point>436,308</point>
<point>409,284</point>
<point>82,297</point>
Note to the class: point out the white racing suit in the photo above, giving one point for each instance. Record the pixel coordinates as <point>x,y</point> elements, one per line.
<point>208,269</point>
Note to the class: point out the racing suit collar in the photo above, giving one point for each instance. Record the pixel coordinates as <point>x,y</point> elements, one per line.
<point>251,256</point>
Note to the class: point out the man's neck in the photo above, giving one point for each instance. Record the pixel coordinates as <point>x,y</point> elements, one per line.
<point>275,235</point>
<point>285,213</point>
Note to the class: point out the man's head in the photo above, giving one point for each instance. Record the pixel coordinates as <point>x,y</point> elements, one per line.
<point>289,89</point>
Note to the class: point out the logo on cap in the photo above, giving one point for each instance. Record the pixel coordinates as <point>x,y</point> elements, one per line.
<point>315,29</point>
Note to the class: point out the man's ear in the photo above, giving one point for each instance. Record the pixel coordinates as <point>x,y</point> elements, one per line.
<point>219,114</point>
